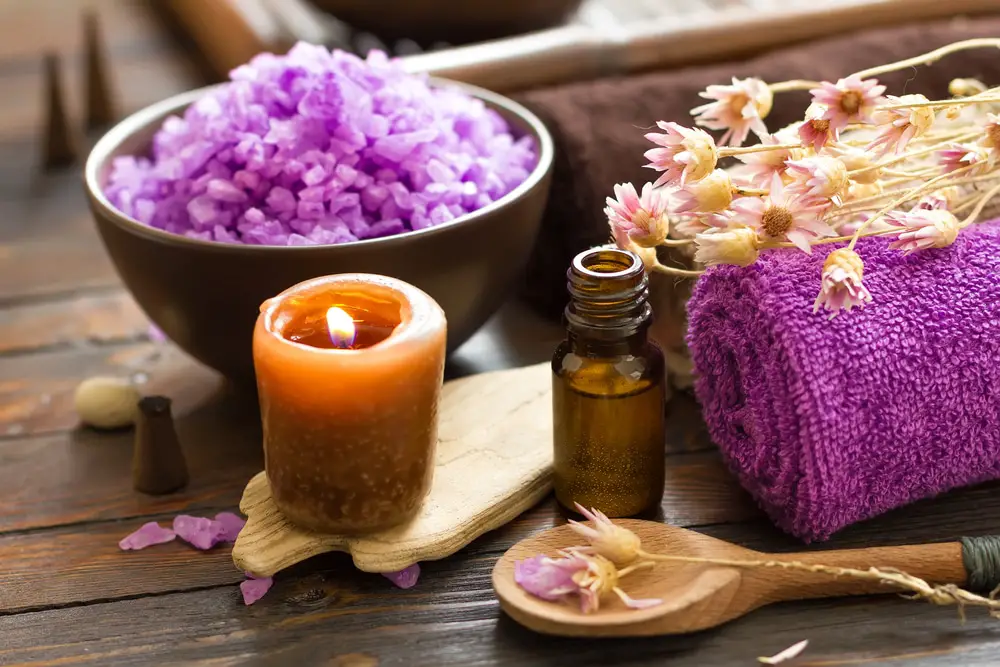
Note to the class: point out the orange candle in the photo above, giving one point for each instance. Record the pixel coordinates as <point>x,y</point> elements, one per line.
<point>349,372</point>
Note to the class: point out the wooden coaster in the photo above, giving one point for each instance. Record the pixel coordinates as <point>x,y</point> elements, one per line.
<point>494,461</point>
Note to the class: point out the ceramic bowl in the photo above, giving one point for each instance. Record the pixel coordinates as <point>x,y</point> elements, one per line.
<point>428,21</point>
<point>205,296</point>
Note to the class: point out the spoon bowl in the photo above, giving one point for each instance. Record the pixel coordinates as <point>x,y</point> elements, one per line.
<point>697,596</point>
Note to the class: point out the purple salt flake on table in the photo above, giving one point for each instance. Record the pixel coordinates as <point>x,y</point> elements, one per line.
<point>254,588</point>
<point>231,524</point>
<point>405,578</point>
<point>147,535</point>
<point>199,532</point>
<point>314,134</point>
<point>156,334</point>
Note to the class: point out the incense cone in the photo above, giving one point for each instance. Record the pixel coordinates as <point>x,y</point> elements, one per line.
<point>99,101</point>
<point>59,143</point>
<point>158,465</point>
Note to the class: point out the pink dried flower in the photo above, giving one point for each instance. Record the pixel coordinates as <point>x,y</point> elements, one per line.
<point>146,536</point>
<point>739,246</point>
<point>639,218</point>
<point>737,109</point>
<point>570,574</point>
<point>254,588</point>
<point>815,130</point>
<point>762,165</point>
<point>685,154</point>
<point>940,199</point>
<point>957,156</point>
<point>850,100</point>
<point>405,578</point>
<point>783,215</point>
<point>819,176</point>
<point>619,545</point>
<point>712,194</point>
<point>991,135</point>
<point>898,126</point>
<point>841,283</point>
<point>924,228</point>
<point>856,160</point>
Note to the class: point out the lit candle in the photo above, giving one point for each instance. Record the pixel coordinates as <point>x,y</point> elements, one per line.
<point>349,371</point>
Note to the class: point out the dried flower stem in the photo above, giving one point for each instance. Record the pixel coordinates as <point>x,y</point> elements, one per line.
<point>794,84</point>
<point>947,594</point>
<point>915,192</point>
<point>983,201</point>
<point>930,56</point>
<point>857,206</point>
<point>671,271</point>
<point>908,156</point>
<point>729,151</point>
<point>961,101</point>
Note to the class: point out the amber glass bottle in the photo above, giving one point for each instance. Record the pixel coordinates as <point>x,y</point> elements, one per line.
<point>607,389</point>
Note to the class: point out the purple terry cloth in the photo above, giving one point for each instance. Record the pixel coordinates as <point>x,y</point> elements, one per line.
<point>827,423</point>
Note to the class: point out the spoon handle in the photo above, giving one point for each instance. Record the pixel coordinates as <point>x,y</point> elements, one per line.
<point>974,561</point>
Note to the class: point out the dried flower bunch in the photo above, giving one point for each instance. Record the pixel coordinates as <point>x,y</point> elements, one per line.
<point>860,163</point>
<point>592,572</point>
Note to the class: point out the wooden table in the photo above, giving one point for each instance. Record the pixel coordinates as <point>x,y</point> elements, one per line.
<point>69,596</point>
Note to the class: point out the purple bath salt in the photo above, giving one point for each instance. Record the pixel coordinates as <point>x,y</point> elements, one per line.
<point>318,147</point>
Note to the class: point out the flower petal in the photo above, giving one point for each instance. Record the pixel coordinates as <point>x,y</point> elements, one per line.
<point>632,603</point>
<point>405,578</point>
<point>789,653</point>
<point>254,588</point>
<point>146,536</point>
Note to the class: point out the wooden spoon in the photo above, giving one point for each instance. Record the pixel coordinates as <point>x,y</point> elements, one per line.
<point>698,595</point>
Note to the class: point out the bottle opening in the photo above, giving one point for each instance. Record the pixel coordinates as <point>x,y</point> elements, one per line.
<point>607,262</point>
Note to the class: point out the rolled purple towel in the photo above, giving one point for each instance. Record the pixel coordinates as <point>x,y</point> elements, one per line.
<point>827,423</point>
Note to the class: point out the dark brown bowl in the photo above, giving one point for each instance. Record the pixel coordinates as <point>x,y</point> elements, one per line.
<point>427,21</point>
<point>205,296</point>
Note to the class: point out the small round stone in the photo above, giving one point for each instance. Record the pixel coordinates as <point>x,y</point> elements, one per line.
<point>106,402</point>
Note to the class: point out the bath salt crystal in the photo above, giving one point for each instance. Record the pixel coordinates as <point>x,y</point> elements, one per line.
<point>314,135</point>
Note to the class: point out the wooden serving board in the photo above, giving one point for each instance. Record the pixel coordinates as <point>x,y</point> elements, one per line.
<point>494,461</point>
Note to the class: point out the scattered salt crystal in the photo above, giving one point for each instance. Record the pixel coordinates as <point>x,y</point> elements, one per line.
<point>147,535</point>
<point>406,578</point>
<point>357,140</point>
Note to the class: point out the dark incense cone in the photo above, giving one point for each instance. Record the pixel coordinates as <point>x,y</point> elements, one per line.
<point>158,465</point>
<point>59,143</point>
<point>100,103</point>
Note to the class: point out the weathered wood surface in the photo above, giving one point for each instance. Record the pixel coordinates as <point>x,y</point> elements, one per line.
<point>68,596</point>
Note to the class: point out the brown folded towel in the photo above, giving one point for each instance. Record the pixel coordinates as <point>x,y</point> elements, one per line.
<point>598,126</point>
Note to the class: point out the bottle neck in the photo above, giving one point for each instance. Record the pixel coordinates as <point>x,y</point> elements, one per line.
<point>609,301</point>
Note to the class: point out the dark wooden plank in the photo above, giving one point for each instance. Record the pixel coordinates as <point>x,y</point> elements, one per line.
<point>451,618</point>
<point>103,317</point>
<point>60,567</point>
<point>85,476</point>
<point>40,268</point>
<point>36,390</point>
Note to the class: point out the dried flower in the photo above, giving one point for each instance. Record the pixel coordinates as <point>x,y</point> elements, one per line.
<point>924,228</point>
<point>850,100</point>
<point>857,161</point>
<point>738,108</point>
<point>712,194</point>
<point>957,156</point>
<point>739,246</point>
<point>944,198</point>
<point>899,126</point>
<point>572,573</point>
<point>762,165</point>
<point>643,219</point>
<point>619,545</point>
<point>841,283</point>
<point>783,215</point>
<point>991,136</point>
<point>815,131</point>
<point>863,191</point>
<point>819,176</point>
<point>685,154</point>
<point>965,87</point>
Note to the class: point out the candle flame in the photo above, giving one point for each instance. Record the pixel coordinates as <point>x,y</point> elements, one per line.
<point>340,326</point>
